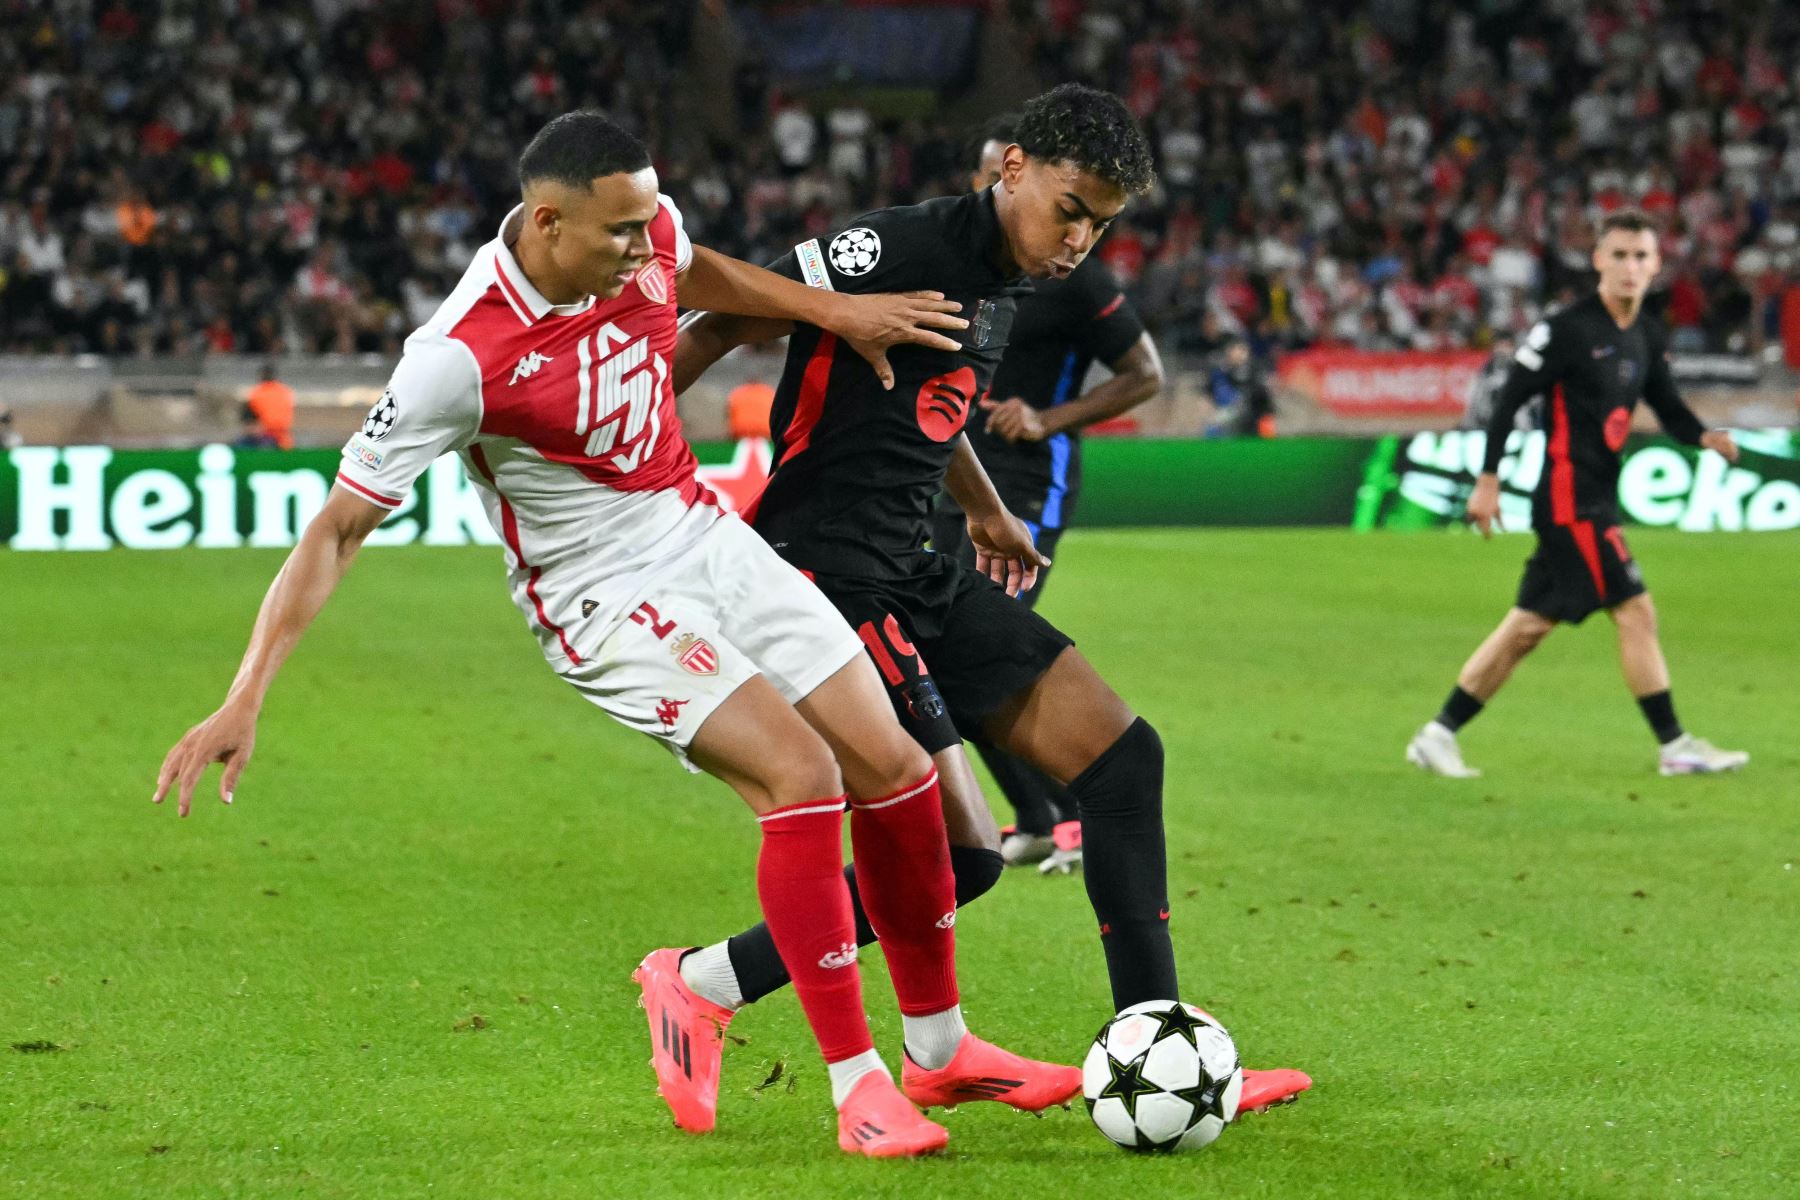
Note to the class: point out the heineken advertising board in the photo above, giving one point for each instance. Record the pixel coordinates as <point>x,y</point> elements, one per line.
<point>95,498</point>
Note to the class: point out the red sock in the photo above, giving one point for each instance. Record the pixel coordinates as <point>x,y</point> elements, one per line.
<point>909,892</point>
<point>800,881</point>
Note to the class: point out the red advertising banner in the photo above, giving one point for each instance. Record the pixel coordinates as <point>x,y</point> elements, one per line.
<point>1368,383</point>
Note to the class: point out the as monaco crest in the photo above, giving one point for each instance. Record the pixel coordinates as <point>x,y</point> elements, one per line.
<point>653,283</point>
<point>696,654</point>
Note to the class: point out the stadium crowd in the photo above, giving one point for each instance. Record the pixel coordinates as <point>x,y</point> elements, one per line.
<point>293,175</point>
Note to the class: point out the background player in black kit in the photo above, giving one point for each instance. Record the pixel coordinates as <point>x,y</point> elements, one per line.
<point>849,502</point>
<point>1027,437</point>
<point>1592,361</point>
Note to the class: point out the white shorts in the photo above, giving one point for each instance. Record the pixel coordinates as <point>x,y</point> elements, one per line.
<point>724,610</point>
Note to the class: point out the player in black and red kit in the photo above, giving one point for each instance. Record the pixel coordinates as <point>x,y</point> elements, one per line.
<point>1028,440</point>
<point>1593,361</point>
<point>849,502</point>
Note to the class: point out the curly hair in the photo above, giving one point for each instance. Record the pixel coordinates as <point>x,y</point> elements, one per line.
<point>1090,128</point>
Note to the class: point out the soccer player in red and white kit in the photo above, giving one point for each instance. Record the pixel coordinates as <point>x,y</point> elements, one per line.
<point>548,371</point>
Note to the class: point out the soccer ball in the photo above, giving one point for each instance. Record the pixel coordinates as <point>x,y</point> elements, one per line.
<point>1162,1076</point>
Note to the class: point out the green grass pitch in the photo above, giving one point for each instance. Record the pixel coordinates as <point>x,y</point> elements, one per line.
<point>398,965</point>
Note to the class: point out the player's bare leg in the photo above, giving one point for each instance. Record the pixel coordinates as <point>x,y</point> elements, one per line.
<point>1434,747</point>
<point>1647,675</point>
<point>758,744</point>
<point>851,713</point>
<point>1640,648</point>
<point>1518,634</point>
<point>968,820</point>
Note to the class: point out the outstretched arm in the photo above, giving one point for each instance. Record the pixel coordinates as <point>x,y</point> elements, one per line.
<point>1004,549</point>
<point>871,324</point>
<point>300,590</point>
<point>1137,376</point>
<point>703,338</point>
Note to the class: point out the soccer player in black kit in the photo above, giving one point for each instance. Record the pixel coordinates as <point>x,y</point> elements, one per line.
<point>1027,437</point>
<point>849,502</point>
<point>1593,361</point>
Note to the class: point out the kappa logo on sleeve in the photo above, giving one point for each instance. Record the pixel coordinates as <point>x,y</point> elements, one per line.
<point>856,251</point>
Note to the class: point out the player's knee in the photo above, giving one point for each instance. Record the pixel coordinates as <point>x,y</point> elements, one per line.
<point>1529,631</point>
<point>908,763</point>
<point>1637,616</point>
<point>1126,780</point>
<point>808,773</point>
<point>977,870</point>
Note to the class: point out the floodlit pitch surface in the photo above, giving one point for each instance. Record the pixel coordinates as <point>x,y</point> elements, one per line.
<point>399,965</point>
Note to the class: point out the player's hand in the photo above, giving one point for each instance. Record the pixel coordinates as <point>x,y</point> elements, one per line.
<point>1005,553</point>
<point>1014,420</point>
<point>873,325</point>
<point>228,736</point>
<point>1720,443</point>
<point>1484,505</point>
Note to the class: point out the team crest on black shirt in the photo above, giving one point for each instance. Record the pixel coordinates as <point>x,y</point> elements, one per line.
<point>981,327</point>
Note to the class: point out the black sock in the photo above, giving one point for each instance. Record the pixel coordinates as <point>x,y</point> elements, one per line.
<point>1458,710</point>
<point>758,966</point>
<point>1659,710</point>
<point>1039,800</point>
<point>1125,864</point>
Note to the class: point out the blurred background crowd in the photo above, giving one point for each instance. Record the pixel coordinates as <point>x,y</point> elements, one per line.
<point>290,176</point>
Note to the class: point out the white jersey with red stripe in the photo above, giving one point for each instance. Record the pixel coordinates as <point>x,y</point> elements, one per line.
<point>564,416</point>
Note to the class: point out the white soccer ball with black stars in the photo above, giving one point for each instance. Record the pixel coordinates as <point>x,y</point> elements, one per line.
<point>855,251</point>
<point>381,418</point>
<point>1162,1076</point>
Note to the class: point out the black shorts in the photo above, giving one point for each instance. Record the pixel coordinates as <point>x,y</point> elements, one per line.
<point>950,645</point>
<point>950,535</point>
<point>1577,569</point>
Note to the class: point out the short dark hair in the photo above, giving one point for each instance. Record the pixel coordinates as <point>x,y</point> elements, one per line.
<point>1003,129</point>
<point>1090,128</point>
<point>580,147</point>
<point>1627,220</point>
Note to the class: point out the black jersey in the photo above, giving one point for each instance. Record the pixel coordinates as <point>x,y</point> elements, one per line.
<point>1061,328</point>
<point>1593,373</point>
<point>856,467</point>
